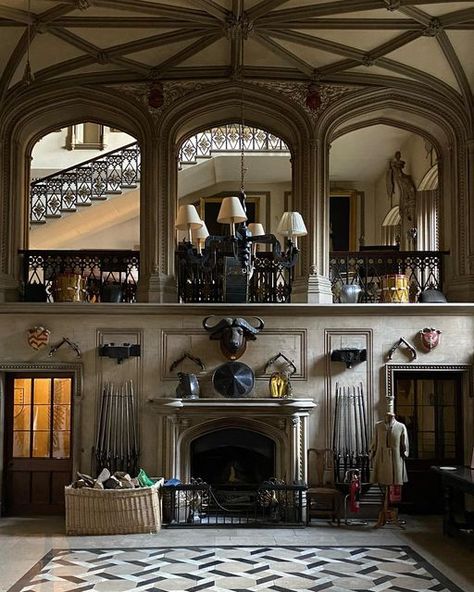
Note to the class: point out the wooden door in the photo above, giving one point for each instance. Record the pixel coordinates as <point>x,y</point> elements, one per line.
<point>430,405</point>
<point>38,443</point>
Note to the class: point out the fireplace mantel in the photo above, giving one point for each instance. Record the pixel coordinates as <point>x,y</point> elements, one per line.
<point>285,421</point>
<point>220,406</point>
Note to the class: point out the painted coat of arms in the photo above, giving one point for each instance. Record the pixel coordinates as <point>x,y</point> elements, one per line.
<point>38,337</point>
<point>430,338</point>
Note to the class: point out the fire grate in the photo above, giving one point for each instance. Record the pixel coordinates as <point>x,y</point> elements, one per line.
<point>272,503</point>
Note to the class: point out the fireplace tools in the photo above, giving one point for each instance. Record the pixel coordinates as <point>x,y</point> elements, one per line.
<point>117,445</point>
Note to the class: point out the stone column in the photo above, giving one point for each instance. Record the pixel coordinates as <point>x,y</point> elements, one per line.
<point>312,284</point>
<point>156,223</point>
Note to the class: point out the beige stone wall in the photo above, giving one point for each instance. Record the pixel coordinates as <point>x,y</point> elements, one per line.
<point>303,333</point>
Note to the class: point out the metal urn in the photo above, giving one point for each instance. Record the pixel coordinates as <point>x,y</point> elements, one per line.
<point>188,386</point>
<point>350,293</point>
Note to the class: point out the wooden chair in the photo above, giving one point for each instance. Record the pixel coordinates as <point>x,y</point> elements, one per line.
<point>323,499</point>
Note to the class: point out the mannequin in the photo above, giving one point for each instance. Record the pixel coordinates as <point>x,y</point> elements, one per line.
<point>389,449</point>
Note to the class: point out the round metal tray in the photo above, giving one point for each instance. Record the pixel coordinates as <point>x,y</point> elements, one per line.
<point>233,379</point>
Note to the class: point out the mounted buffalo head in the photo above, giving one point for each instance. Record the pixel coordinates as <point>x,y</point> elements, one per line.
<point>233,334</point>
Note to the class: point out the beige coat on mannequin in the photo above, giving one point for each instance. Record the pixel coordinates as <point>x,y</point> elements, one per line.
<point>389,449</point>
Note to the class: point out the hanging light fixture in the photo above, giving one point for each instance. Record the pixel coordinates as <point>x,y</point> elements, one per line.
<point>28,77</point>
<point>229,268</point>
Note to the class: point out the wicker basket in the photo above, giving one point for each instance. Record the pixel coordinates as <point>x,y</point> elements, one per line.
<point>112,511</point>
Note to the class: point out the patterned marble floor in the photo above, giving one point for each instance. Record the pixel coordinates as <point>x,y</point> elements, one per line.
<point>284,568</point>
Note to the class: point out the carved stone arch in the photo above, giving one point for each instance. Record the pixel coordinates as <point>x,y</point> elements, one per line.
<point>213,105</point>
<point>447,127</point>
<point>342,131</point>
<point>187,436</point>
<point>22,124</point>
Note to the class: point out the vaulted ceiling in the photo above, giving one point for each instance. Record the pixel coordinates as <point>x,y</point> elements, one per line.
<point>382,42</point>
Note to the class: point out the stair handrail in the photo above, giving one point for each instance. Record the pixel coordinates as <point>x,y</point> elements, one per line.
<point>83,163</point>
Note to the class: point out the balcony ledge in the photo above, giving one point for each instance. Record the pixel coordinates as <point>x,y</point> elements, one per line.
<point>297,309</point>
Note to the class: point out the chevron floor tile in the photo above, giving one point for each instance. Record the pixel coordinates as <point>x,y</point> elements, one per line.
<point>286,568</point>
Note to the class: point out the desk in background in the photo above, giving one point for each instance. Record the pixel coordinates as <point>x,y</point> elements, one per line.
<point>461,480</point>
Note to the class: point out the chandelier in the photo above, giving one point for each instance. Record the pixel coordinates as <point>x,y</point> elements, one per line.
<point>230,268</point>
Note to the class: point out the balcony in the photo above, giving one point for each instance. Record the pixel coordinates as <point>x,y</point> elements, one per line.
<point>378,273</point>
<point>112,276</point>
<point>80,276</point>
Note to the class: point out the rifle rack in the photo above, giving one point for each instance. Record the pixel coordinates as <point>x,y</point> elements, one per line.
<point>120,352</point>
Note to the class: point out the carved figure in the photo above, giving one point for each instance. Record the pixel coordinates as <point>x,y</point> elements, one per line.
<point>397,179</point>
<point>233,334</point>
<point>404,182</point>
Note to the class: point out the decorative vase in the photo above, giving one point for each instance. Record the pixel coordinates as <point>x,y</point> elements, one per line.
<point>350,293</point>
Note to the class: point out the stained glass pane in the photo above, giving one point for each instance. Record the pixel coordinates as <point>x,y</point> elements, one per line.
<point>21,444</point>
<point>22,391</point>
<point>61,417</point>
<point>62,391</point>
<point>21,417</point>
<point>61,445</point>
<point>41,417</point>
<point>42,391</point>
<point>40,444</point>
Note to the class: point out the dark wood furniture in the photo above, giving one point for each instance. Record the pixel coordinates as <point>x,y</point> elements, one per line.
<point>456,482</point>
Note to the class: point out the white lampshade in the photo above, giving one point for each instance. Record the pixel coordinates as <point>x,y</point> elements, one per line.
<point>188,218</point>
<point>231,211</point>
<point>292,224</point>
<point>200,234</point>
<point>256,229</point>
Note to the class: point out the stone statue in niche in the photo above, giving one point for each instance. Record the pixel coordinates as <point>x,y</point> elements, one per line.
<point>398,179</point>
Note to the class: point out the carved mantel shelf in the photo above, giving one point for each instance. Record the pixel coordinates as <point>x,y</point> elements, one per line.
<point>255,406</point>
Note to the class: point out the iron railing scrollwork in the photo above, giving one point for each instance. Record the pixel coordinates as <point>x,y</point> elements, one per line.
<point>370,270</point>
<point>227,138</point>
<point>98,269</point>
<point>200,504</point>
<point>80,185</point>
<point>110,173</point>
<point>270,281</point>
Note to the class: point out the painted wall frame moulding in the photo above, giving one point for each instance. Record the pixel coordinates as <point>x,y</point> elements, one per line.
<point>76,369</point>
<point>368,336</point>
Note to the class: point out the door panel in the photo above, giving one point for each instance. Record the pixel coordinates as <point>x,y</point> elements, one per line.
<point>430,405</point>
<point>37,443</point>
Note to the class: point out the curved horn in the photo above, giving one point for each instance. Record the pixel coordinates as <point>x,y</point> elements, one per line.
<point>260,325</point>
<point>239,322</point>
<point>218,326</point>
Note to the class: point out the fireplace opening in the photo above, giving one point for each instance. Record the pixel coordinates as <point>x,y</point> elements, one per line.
<point>233,456</point>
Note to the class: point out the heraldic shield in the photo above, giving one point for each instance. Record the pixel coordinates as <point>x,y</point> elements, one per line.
<point>430,338</point>
<point>38,337</point>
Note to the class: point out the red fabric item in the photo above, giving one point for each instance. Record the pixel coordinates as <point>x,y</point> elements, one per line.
<point>354,497</point>
<point>395,493</point>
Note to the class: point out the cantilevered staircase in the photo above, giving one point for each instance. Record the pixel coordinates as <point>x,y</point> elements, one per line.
<point>83,184</point>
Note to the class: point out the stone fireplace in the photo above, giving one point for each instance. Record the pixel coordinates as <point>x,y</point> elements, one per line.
<point>234,440</point>
<point>233,456</point>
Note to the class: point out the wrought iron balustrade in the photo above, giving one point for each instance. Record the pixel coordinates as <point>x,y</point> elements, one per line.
<point>227,138</point>
<point>80,185</point>
<point>270,281</point>
<point>110,173</point>
<point>201,504</point>
<point>99,269</point>
<point>370,270</point>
